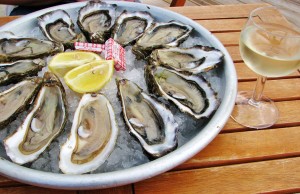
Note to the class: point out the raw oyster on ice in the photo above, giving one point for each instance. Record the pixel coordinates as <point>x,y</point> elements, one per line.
<point>161,35</point>
<point>147,119</point>
<point>17,99</point>
<point>93,136</point>
<point>195,60</point>
<point>96,20</point>
<point>130,26</point>
<point>14,48</point>
<point>44,122</point>
<point>15,71</point>
<point>190,93</point>
<point>57,26</point>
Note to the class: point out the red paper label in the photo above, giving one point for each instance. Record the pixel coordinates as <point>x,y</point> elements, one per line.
<point>112,51</point>
<point>89,47</point>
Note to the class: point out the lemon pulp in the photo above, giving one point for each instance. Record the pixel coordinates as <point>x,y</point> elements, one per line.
<point>64,62</point>
<point>90,77</point>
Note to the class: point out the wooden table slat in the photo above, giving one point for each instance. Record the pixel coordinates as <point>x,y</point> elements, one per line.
<point>256,177</point>
<point>127,189</point>
<point>217,11</point>
<point>33,190</point>
<point>4,182</point>
<point>4,20</point>
<point>223,25</point>
<point>249,146</point>
<point>234,52</point>
<point>228,38</point>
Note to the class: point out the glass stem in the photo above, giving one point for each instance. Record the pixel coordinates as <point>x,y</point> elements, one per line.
<point>257,93</point>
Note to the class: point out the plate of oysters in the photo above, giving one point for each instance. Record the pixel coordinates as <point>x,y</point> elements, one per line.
<point>174,97</point>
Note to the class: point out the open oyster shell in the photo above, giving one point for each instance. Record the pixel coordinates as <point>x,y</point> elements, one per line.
<point>44,122</point>
<point>130,26</point>
<point>15,71</point>
<point>93,136</point>
<point>147,119</point>
<point>14,48</point>
<point>190,93</point>
<point>161,35</point>
<point>57,26</point>
<point>96,20</point>
<point>17,98</point>
<point>195,60</point>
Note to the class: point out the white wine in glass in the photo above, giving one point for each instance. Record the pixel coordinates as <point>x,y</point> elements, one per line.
<point>269,46</point>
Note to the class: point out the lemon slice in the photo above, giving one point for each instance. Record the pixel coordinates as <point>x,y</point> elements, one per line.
<point>90,77</point>
<point>64,62</point>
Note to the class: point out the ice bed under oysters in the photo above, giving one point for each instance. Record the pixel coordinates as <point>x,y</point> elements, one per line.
<point>179,74</point>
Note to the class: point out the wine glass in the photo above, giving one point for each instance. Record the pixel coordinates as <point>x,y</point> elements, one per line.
<point>269,46</point>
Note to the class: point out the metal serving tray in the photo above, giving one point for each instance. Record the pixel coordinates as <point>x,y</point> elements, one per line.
<point>228,91</point>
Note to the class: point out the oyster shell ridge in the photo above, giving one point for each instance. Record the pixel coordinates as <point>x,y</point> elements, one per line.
<point>170,143</point>
<point>15,77</point>
<point>13,142</point>
<point>142,52</point>
<point>26,104</point>
<point>8,38</point>
<point>210,94</point>
<point>154,59</point>
<point>90,8</point>
<point>68,147</point>
<point>124,16</point>
<point>55,16</point>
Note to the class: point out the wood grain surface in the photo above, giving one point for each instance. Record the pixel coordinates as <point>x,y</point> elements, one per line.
<point>254,177</point>
<point>223,25</point>
<point>247,146</point>
<point>239,159</point>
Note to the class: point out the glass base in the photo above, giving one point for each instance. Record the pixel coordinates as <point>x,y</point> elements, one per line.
<point>257,115</point>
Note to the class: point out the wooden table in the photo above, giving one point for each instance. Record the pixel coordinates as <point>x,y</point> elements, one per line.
<point>239,160</point>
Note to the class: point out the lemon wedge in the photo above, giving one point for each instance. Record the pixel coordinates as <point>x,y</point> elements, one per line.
<point>90,77</point>
<point>64,62</point>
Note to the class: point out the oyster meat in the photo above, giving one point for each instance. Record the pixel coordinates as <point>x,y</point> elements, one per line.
<point>93,136</point>
<point>147,119</point>
<point>195,60</point>
<point>190,93</point>
<point>130,26</point>
<point>14,48</point>
<point>44,122</point>
<point>14,71</point>
<point>96,20</point>
<point>161,35</point>
<point>57,26</point>
<point>17,98</point>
